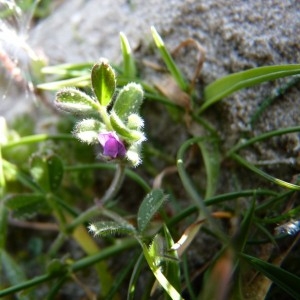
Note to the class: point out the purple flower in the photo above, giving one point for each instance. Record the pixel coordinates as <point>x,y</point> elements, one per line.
<point>112,145</point>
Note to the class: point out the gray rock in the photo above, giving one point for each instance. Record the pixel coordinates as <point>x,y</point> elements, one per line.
<point>236,35</point>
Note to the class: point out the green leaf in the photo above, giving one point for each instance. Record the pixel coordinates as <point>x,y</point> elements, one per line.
<point>156,249</point>
<point>81,81</point>
<point>3,225</point>
<point>55,171</point>
<point>129,101</point>
<point>129,68</point>
<point>47,172</point>
<point>103,82</point>
<point>76,102</point>
<point>13,271</point>
<point>133,154</point>
<point>163,281</point>
<point>261,173</point>
<point>284,279</point>
<point>225,86</point>
<point>135,275</point>
<point>109,228</point>
<point>122,130</point>
<point>150,205</point>
<point>26,205</point>
<point>68,70</point>
<point>172,67</point>
<point>88,130</point>
<point>241,238</point>
<point>172,272</point>
<point>39,172</point>
<point>135,122</point>
<point>56,266</point>
<point>211,158</point>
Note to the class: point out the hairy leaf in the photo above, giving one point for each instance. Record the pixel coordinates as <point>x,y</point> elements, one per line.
<point>47,172</point>
<point>26,205</point>
<point>129,101</point>
<point>75,101</point>
<point>149,207</point>
<point>103,82</point>
<point>88,130</point>
<point>109,228</point>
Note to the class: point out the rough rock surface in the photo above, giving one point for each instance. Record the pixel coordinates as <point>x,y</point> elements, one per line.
<point>236,35</point>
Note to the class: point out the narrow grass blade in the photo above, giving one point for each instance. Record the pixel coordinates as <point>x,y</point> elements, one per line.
<point>172,266</point>
<point>82,81</point>
<point>241,239</point>
<point>135,276</point>
<point>172,67</point>
<point>129,69</point>
<point>3,226</point>
<point>217,280</point>
<point>225,86</point>
<point>13,272</point>
<point>211,158</point>
<point>285,280</point>
<point>68,69</point>
<point>275,180</point>
<point>172,292</point>
<point>262,137</point>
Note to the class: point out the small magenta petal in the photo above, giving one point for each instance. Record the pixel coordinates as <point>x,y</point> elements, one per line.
<point>104,137</point>
<point>112,145</point>
<point>121,149</point>
<point>111,148</point>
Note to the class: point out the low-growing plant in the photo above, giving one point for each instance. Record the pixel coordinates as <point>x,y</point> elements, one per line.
<point>48,182</point>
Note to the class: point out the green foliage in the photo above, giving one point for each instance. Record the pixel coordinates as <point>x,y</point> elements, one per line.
<point>285,280</point>
<point>129,101</point>
<point>74,101</point>
<point>149,206</point>
<point>51,182</point>
<point>171,65</point>
<point>87,130</point>
<point>47,172</point>
<point>129,68</point>
<point>225,86</point>
<point>108,228</point>
<point>103,82</point>
<point>13,271</point>
<point>26,205</point>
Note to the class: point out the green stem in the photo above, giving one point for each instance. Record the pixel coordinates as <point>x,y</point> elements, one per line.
<point>31,139</point>
<point>115,185</point>
<point>275,180</point>
<point>197,199</point>
<point>106,166</point>
<point>262,137</point>
<point>280,197</point>
<point>104,116</point>
<point>77,266</point>
<point>51,200</point>
<point>83,217</point>
<point>2,178</point>
<point>60,239</point>
<point>93,212</point>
